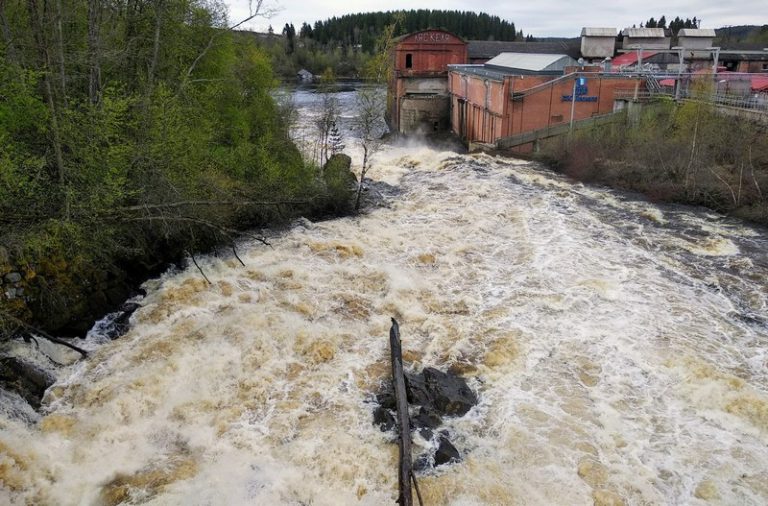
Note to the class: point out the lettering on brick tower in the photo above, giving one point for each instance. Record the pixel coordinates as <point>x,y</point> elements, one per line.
<point>432,37</point>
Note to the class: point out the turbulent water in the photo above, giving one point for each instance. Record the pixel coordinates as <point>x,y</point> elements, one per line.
<point>619,350</point>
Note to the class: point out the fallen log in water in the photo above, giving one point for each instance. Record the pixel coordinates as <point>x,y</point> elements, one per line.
<point>398,380</point>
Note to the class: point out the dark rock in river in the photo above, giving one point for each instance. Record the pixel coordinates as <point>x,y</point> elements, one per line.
<point>437,394</point>
<point>444,393</point>
<point>446,452</point>
<point>25,379</point>
<point>384,418</point>
<point>121,323</point>
<point>443,453</point>
<point>426,418</point>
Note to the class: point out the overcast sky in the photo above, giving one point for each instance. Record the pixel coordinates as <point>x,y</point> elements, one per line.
<point>555,18</point>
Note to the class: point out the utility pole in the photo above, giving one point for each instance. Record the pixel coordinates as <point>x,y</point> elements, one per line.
<point>577,80</point>
<point>679,83</point>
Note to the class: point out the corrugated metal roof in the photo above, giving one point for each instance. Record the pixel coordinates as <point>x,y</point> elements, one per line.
<point>696,32</point>
<point>532,62</point>
<point>479,70</point>
<point>598,32</point>
<point>643,33</point>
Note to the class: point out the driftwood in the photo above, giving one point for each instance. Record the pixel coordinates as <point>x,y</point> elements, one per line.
<point>405,472</point>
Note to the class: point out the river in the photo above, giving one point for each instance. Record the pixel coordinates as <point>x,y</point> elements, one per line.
<point>618,348</point>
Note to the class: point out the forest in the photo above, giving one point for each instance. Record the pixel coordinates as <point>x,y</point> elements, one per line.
<point>344,44</point>
<point>132,133</point>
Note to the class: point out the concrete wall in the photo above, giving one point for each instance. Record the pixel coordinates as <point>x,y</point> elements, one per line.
<point>692,43</point>
<point>598,47</point>
<point>646,43</point>
<point>424,114</point>
<point>437,85</point>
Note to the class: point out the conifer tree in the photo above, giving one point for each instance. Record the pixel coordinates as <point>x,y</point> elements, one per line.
<point>335,141</point>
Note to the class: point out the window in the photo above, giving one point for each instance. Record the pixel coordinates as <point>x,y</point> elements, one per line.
<point>765,66</point>
<point>408,61</point>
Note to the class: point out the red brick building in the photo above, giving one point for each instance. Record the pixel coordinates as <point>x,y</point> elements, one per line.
<point>418,88</point>
<point>490,104</point>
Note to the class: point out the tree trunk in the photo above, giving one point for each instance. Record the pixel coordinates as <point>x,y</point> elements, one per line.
<point>362,177</point>
<point>60,51</point>
<point>39,35</point>
<point>10,48</point>
<point>94,55</point>
<point>159,4</point>
<point>405,497</point>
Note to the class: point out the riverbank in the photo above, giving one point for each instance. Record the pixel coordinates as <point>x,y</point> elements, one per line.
<point>686,154</point>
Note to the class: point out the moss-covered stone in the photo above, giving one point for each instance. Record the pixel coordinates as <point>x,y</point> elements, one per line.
<point>340,183</point>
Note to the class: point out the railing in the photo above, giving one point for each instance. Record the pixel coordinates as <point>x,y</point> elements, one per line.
<point>640,95</point>
<point>757,102</point>
<point>555,130</point>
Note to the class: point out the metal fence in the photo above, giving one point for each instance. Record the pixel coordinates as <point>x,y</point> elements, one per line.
<point>703,88</point>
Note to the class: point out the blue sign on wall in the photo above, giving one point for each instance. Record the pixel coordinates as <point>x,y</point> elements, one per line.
<point>582,92</point>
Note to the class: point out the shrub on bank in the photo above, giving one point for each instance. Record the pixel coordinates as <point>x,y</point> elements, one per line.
<point>687,153</point>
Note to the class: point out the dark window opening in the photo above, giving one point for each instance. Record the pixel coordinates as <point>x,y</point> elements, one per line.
<point>435,126</point>
<point>408,60</point>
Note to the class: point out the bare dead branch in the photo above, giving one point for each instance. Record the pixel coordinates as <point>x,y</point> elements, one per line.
<point>199,268</point>
<point>730,188</point>
<point>42,333</point>
<point>234,251</point>
<point>202,203</point>
<point>416,486</point>
<point>229,232</point>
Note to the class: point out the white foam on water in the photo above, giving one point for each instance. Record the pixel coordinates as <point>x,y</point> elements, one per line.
<point>607,367</point>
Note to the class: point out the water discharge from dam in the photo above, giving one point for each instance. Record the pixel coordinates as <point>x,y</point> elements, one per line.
<point>619,350</point>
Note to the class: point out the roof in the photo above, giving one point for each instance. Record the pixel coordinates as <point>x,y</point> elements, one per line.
<point>631,57</point>
<point>530,62</point>
<point>598,32</point>
<point>479,70</point>
<point>696,32</point>
<point>644,33</point>
<point>486,49</point>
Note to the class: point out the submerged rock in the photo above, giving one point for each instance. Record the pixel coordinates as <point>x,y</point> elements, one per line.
<point>446,452</point>
<point>25,379</point>
<point>384,418</point>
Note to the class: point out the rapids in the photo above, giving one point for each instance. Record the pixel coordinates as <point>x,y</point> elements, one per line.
<point>619,349</point>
